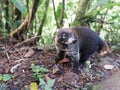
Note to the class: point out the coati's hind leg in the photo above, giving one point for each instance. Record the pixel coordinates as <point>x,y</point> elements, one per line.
<point>100,46</point>
<point>84,56</point>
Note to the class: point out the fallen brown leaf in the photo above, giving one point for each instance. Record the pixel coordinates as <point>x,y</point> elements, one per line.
<point>64,60</point>
<point>29,53</point>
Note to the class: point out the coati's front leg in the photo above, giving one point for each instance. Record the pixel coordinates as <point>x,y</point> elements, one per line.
<point>76,67</point>
<point>75,58</point>
<point>60,56</point>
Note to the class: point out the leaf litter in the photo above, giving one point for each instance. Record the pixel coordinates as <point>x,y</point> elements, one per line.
<point>17,61</point>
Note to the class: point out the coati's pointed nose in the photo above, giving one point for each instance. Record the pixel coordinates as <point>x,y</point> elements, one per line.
<point>59,37</point>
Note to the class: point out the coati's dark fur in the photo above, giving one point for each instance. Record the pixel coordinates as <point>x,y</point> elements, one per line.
<point>77,43</point>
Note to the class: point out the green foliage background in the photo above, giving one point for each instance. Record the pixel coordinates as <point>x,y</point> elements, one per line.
<point>104,13</point>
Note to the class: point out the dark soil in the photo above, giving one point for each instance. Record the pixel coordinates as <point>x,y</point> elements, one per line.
<point>14,62</point>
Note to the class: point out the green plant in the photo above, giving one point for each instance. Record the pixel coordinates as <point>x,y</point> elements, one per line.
<point>3,86</point>
<point>46,85</point>
<point>20,5</point>
<point>38,74</point>
<point>3,79</point>
<point>38,71</point>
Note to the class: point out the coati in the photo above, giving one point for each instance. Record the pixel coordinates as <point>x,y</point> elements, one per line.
<point>77,43</point>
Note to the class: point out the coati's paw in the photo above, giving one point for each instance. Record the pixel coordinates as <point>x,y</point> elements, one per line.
<point>76,70</point>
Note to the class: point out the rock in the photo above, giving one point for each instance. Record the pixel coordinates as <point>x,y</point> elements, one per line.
<point>71,79</point>
<point>112,83</point>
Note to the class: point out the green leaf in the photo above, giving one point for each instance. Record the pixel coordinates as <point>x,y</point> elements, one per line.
<point>42,69</point>
<point>108,6</point>
<point>95,87</point>
<point>1,77</point>
<point>33,86</point>
<point>47,87</point>
<point>36,76</point>
<point>37,69</point>
<point>51,82</point>
<point>19,4</point>
<point>99,3</point>
<point>6,77</point>
<point>42,82</point>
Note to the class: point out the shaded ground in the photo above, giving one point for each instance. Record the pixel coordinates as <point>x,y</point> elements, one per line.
<point>112,83</point>
<point>15,61</point>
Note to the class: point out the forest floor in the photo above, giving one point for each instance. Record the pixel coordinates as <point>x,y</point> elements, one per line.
<point>16,60</point>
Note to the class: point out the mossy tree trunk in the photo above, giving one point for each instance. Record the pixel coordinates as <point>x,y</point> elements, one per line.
<point>81,12</point>
<point>19,32</point>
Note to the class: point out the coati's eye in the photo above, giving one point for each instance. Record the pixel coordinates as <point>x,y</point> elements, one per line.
<point>63,35</point>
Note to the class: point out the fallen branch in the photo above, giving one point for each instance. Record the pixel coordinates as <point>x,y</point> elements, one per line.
<point>27,40</point>
<point>12,70</point>
<point>18,61</point>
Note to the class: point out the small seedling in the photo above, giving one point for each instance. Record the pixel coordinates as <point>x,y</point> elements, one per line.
<point>38,71</point>
<point>3,79</point>
<point>46,85</point>
<point>38,74</point>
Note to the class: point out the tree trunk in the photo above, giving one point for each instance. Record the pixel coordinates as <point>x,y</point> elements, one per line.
<point>80,14</point>
<point>58,26</point>
<point>43,20</point>
<point>26,23</point>
<point>7,27</point>
<point>62,13</point>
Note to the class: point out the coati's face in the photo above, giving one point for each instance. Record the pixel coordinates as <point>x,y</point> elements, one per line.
<point>64,38</point>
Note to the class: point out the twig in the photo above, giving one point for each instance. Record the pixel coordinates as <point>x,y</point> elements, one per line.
<point>20,60</point>
<point>7,54</point>
<point>15,67</point>
<point>27,40</point>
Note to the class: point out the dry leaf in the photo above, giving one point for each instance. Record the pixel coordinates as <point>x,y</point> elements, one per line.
<point>29,53</point>
<point>108,66</point>
<point>64,60</point>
